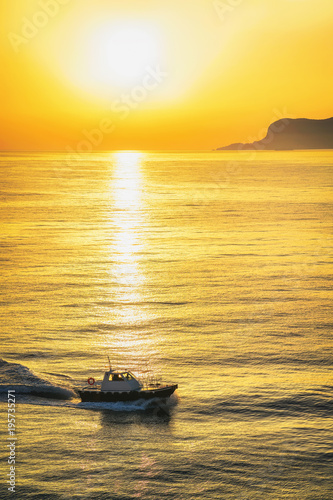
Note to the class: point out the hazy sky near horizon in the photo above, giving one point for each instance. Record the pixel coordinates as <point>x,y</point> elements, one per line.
<point>153,74</point>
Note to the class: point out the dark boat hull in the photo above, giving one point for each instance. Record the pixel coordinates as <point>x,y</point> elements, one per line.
<point>95,395</point>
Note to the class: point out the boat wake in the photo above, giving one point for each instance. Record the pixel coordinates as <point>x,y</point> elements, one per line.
<point>25,382</point>
<point>140,405</point>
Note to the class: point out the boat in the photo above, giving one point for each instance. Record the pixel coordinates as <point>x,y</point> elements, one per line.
<point>122,385</point>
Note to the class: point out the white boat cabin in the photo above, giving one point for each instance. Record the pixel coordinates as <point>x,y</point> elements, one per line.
<point>120,381</point>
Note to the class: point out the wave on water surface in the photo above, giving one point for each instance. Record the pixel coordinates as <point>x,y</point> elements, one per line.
<point>316,403</point>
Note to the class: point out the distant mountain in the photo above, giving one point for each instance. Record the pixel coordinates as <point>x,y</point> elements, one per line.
<point>288,133</point>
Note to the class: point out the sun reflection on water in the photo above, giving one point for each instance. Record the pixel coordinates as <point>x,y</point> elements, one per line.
<point>127,221</point>
<point>127,312</point>
<point>127,187</point>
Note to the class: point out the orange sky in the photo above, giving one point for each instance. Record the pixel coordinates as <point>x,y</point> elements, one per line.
<point>178,74</point>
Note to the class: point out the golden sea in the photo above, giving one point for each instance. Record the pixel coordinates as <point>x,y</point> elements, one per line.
<point>211,268</point>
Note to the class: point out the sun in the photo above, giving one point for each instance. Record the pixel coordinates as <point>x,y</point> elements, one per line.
<point>119,54</point>
<point>109,56</point>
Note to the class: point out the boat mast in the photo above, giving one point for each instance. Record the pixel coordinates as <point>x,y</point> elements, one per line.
<point>109,364</point>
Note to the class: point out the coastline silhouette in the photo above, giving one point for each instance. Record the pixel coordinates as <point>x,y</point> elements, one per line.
<point>289,134</point>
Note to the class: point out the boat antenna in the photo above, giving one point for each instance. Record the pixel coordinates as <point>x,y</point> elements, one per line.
<point>109,364</point>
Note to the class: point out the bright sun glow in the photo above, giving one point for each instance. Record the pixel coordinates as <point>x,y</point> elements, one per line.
<point>110,56</point>
<point>120,54</point>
